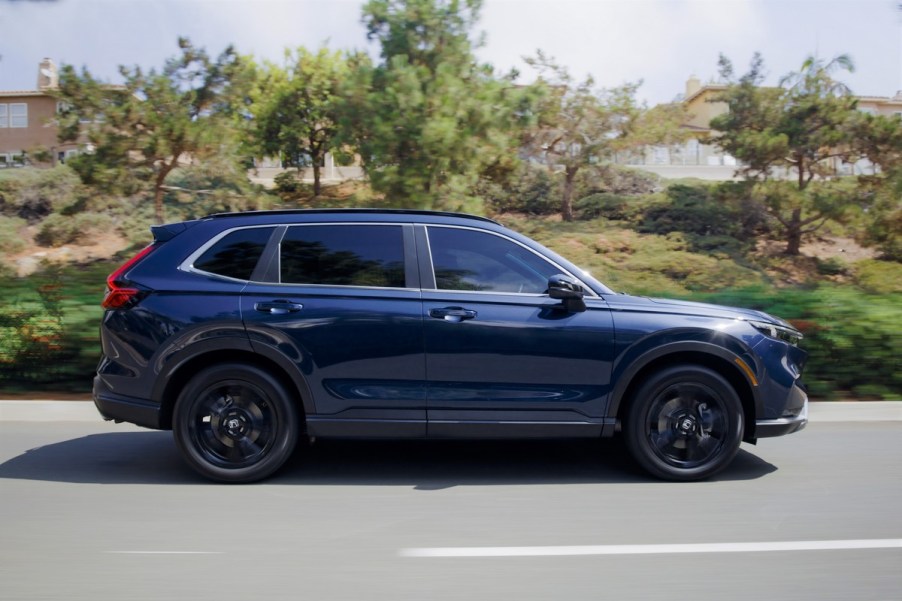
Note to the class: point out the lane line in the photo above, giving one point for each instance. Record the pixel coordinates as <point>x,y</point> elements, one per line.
<point>812,545</point>
<point>165,552</point>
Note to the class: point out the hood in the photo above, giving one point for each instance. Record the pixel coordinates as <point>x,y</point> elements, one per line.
<point>694,308</point>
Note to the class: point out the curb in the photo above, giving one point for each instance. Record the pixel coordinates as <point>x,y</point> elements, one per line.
<point>84,411</point>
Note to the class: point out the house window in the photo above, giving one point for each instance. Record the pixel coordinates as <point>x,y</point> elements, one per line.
<point>4,158</point>
<point>4,115</point>
<point>868,110</point>
<point>18,115</point>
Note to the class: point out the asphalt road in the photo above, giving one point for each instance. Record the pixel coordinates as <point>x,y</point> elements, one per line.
<point>101,511</point>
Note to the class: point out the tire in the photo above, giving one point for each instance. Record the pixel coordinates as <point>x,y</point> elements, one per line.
<point>235,423</point>
<point>684,423</point>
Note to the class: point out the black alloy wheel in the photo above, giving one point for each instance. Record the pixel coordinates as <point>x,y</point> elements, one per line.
<point>235,423</point>
<point>684,423</point>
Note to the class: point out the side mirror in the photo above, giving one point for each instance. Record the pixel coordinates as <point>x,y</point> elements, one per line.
<point>568,291</point>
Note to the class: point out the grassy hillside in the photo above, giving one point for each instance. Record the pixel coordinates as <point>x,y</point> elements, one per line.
<point>847,303</point>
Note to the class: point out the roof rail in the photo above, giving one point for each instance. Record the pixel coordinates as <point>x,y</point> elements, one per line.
<point>363,211</point>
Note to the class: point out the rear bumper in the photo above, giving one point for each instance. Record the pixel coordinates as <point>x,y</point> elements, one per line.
<point>121,408</point>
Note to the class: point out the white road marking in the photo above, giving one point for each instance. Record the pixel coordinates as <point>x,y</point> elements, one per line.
<point>812,545</point>
<point>165,552</point>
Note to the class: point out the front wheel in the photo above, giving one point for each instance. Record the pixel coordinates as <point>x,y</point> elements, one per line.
<point>235,423</point>
<point>684,423</point>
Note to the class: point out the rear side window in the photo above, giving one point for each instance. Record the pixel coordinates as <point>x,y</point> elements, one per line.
<point>344,255</point>
<point>236,254</point>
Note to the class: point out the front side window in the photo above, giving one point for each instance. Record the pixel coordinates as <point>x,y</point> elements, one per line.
<point>18,115</point>
<point>236,254</point>
<point>344,255</point>
<point>470,260</point>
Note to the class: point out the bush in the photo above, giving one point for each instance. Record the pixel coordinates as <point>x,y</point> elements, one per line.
<point>287,182</point>
<point>58,230</point>
<point>532,190</point>
<point>603,204</point>
<point>10,239</point>
<point>852,336</point>
<point>32,194</point>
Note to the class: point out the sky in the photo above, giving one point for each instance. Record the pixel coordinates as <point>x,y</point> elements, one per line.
<point>661,42</point>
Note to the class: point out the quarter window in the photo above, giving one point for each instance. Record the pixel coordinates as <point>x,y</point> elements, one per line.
<point>469,260</point>
<point>236,254</point>
<point>344,255</point>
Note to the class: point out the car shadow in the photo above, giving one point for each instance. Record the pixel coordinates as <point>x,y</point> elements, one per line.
<point>152,458</point>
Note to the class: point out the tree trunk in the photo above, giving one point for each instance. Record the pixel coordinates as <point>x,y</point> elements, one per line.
<point>794,233</point>
<point>567,200</point>
<point>316,174</point>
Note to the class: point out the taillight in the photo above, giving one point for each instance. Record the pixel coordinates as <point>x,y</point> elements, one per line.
<point>117,295</point>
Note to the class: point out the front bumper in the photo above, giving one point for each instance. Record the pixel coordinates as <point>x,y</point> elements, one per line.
<point>767,428</point>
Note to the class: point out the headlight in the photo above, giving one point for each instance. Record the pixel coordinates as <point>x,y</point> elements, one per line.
<point>779,332</point>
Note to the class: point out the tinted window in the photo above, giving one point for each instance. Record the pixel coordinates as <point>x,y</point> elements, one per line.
<point>344,255</point>
<point>470,260</point>
<point>236,254</point>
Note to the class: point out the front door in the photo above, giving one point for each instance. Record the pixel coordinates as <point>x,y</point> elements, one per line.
<point>502,357</point>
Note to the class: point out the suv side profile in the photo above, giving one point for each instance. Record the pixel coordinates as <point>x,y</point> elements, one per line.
<point>244,332</point>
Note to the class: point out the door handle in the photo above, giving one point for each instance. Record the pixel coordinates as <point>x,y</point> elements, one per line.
<point>278,307</point>
<point>452,314</point>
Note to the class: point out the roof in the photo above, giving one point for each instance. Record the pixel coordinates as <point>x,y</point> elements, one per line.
<point>33,93</point>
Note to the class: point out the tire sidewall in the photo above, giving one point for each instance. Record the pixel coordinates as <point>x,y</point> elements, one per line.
<point>283,406</point>
<point>637,417</point>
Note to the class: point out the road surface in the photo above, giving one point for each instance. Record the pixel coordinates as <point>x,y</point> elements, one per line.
<point>93,510</point>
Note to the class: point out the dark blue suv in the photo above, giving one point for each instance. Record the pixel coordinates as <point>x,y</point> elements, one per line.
<point>244,332</point>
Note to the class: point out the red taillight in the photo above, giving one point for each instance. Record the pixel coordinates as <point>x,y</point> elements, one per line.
<point>118,296</point>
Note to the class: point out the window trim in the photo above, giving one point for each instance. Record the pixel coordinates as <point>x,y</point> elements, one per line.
<point>430,267</point>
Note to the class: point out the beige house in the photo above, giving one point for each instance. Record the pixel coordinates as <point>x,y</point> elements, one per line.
<point>27,121</point>
<point>698,159</point>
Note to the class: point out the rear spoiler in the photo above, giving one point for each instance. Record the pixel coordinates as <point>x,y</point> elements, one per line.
<point>168,231</point>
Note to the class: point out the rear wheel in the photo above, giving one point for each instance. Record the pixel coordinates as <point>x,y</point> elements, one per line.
<point>684,423</point>
<point>235,423</point>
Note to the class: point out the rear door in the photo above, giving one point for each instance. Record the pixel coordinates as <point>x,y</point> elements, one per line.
<point>341,301</point>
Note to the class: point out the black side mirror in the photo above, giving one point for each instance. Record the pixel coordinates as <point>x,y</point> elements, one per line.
<point>568,292</point>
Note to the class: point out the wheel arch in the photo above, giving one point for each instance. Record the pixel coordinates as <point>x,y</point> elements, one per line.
<point>188,363</point>
<point>718,359</point>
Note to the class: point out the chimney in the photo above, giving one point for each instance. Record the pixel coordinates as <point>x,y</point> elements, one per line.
<point>693,85</point>
<point>48,77</point>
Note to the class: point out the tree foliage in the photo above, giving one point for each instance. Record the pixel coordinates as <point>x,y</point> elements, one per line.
<point>295,108</point>
<point>140,131</point>
<point>582,127</point>
<point>803,127</point>
<point>428,120</point>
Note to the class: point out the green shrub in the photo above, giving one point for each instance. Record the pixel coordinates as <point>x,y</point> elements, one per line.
<point>879,277</point>
<point>603,204</point>
<point>853,337</point>
<point>532,190</point>
<point>287,182</point>
<point>10,239</point>
<point>32,193</point>
<point>57,230</point>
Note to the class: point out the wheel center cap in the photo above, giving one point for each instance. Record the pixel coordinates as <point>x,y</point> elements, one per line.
<point>686,425</point>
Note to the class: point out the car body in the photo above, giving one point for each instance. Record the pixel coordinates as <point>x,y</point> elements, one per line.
<point>245,332</point>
